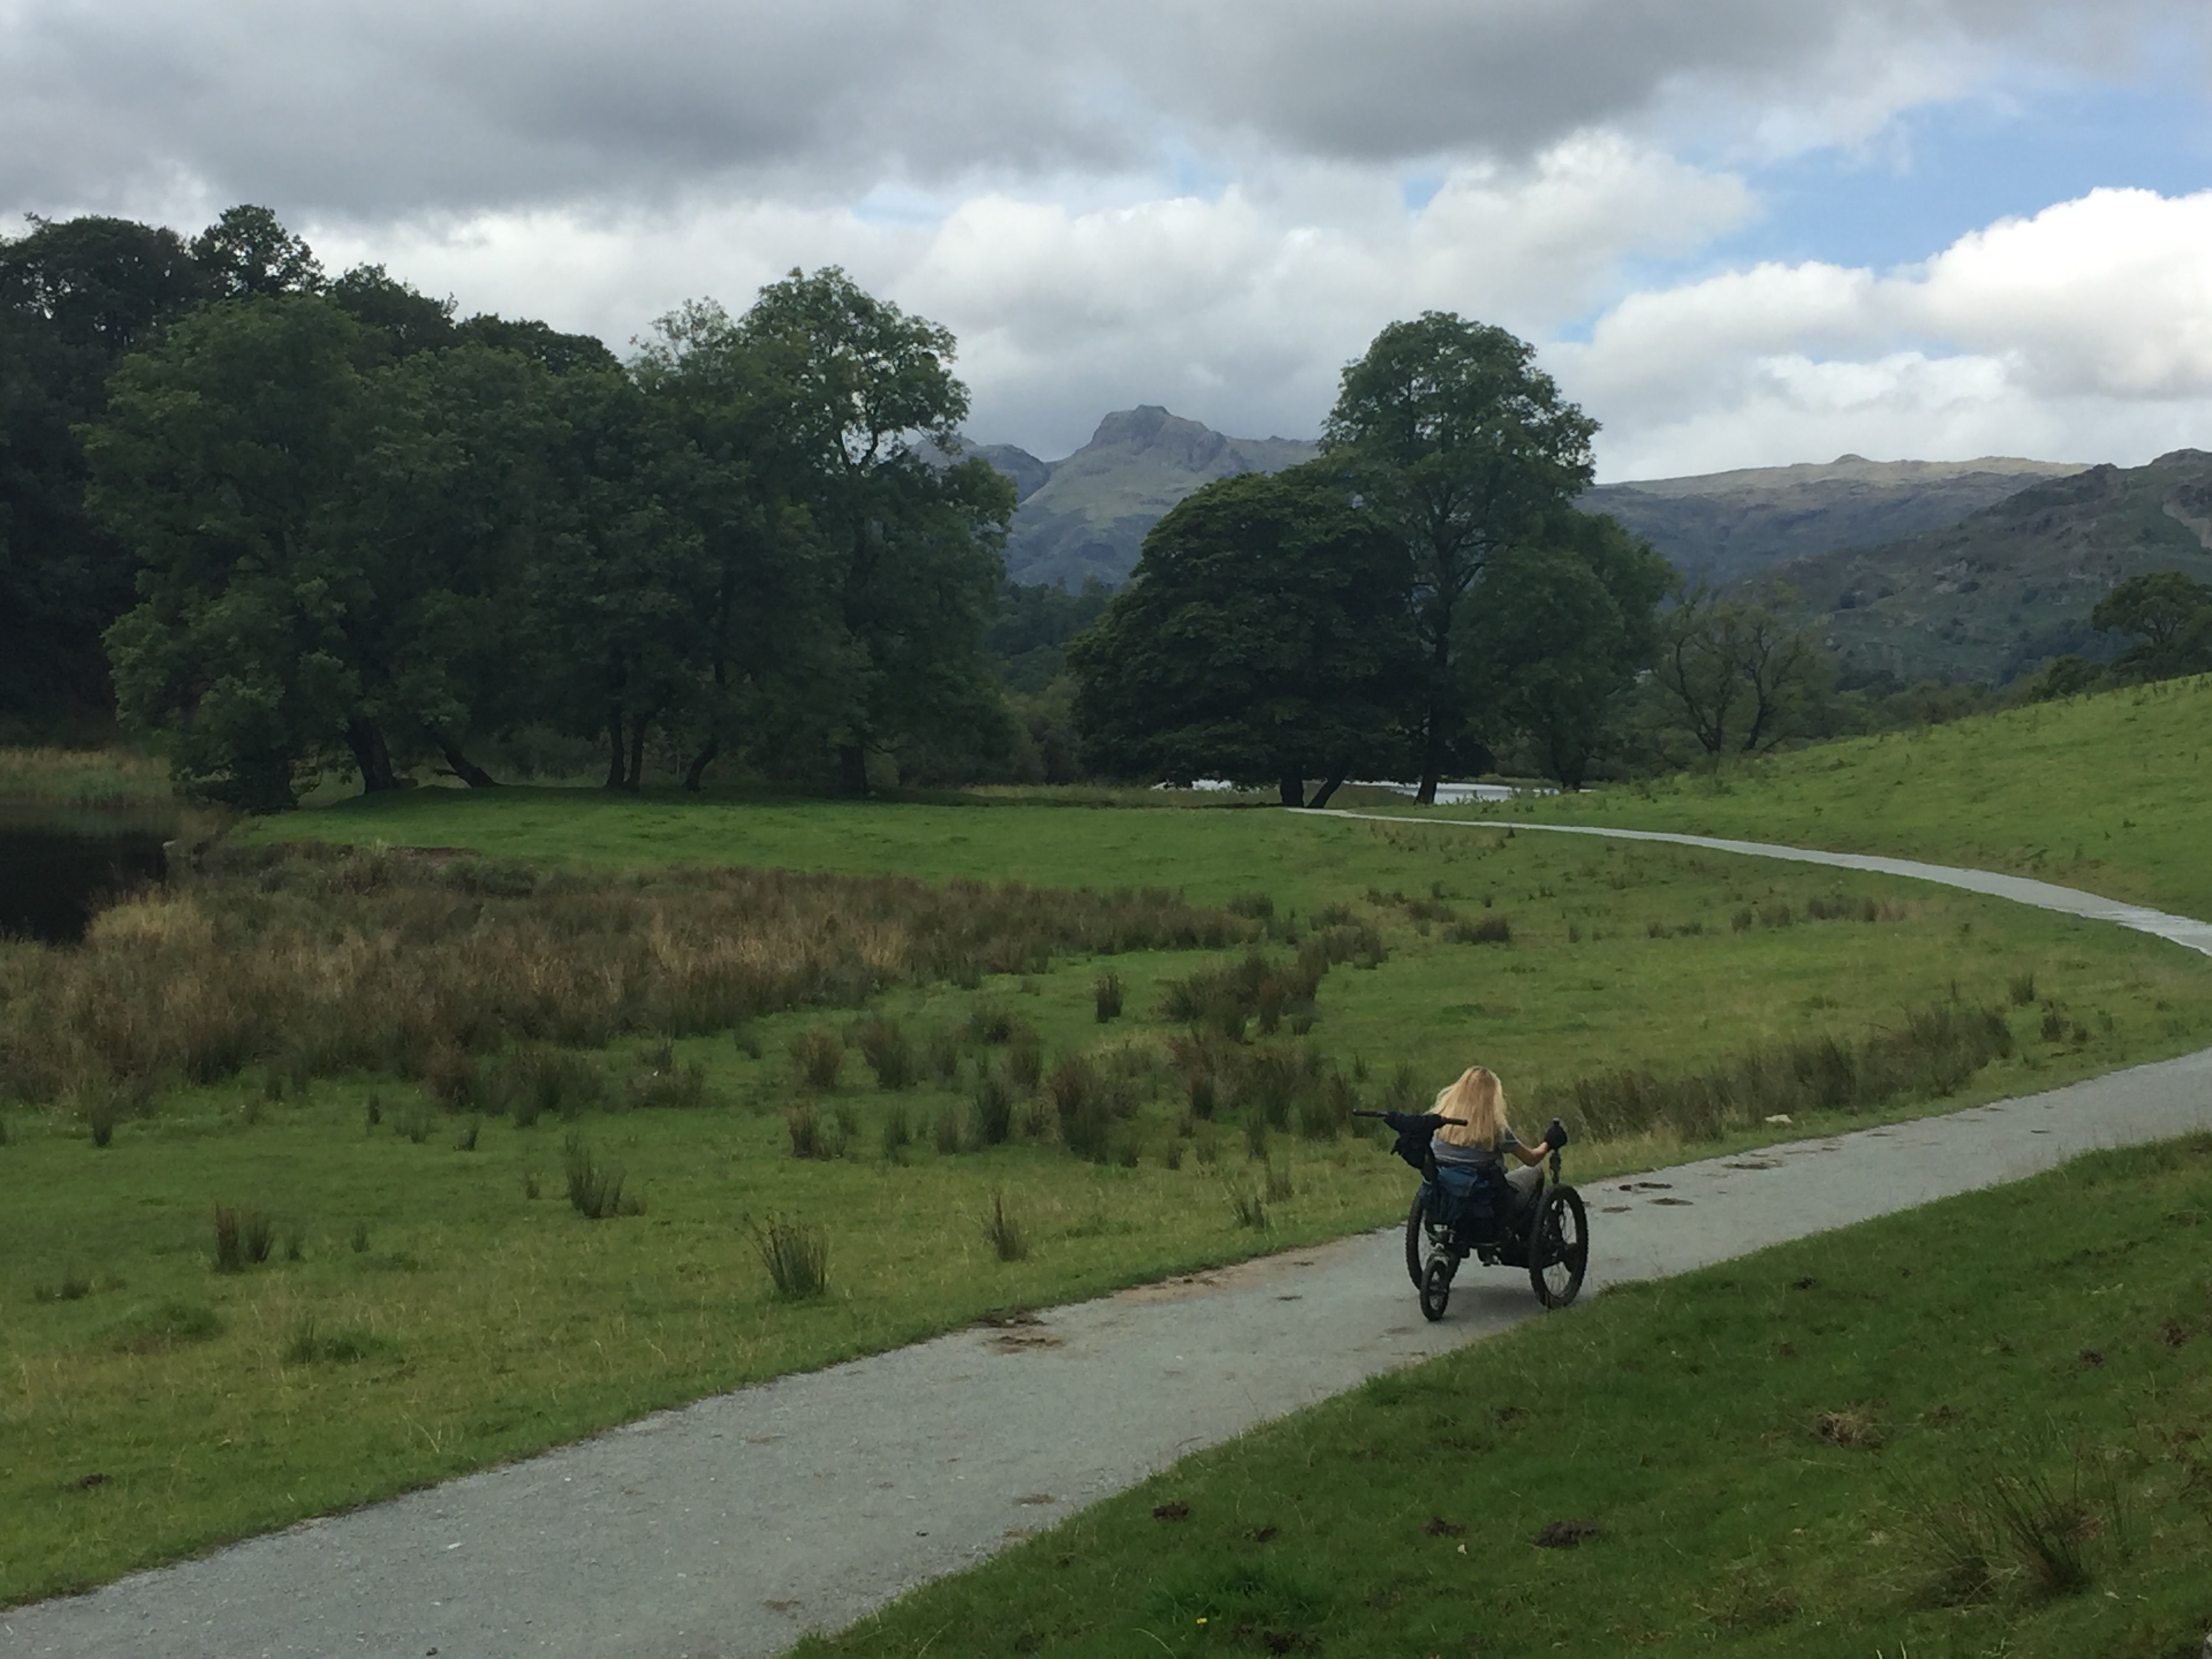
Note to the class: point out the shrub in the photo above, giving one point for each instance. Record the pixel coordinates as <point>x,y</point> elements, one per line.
<point>2019,989</point>
<point>995,1110</point>
<point>101,1108</point>
<point>1249,1206</point>
<point>1106,996</point>
<point>537,1079</point>
<point>943,1052</point>
<point>898,1133</point>
<point>1081,1102</point>
<point>1023,1066</point>
<point>797,1257</point>
<point>817,1057</point>
<point>1003,1229</point>
<point>242,1238</point>
<point>1255,907</point>
<point>450,1076</point>
<point>889,1054</point>
<point>951,1132</point>
<point>811,1136</point>
<point>595,1191</point>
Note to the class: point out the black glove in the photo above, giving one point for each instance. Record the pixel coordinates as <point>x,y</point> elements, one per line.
<point>1556,1136</point>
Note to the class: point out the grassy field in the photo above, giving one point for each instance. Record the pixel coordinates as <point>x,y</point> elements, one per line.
<point>1974,1430</point>
<point>2110,793</point>
<point>448,1307</point>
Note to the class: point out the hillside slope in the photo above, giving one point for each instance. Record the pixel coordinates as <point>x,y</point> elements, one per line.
<point>1726,525</point>
<point>2111,794</point>
<point>1991,597</point>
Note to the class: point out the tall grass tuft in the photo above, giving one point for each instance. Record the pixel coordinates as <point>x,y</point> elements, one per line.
<point>535,1079</point>
<point>1003,1230</point>
<point>889,1054</point>
<point>1106,997</point>
<point>810,1136</point>
<point>595,1191</point>
<point>994,1109</point>
<point>243,1238</point>
<point>796,1255</point>
<point>817,1057</point>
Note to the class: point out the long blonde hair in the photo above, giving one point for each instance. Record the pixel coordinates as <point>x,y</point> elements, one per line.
<point>1479,1098</point>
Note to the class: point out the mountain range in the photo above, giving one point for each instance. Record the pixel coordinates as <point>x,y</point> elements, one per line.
<point>1973,569</point>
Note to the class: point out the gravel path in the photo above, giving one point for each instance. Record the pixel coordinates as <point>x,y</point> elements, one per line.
<point>728,1528</point>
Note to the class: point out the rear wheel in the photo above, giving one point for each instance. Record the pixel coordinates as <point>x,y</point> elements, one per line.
<point>1558,1246</point>
<point>1416,1227</point>
<point>1435,1287</point>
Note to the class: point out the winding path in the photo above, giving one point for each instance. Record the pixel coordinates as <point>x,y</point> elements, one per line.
<point>728,1528</point>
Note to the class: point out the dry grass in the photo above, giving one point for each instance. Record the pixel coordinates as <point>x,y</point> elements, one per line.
<point>82,777</point>
<point>318,962</point>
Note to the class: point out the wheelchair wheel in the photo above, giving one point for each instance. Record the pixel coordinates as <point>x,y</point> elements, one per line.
<point>1435,1287</point>
<point>1416,1227</point>
<point>1558,1246</point>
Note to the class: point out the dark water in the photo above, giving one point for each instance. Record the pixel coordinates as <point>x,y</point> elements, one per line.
<point>57,868</point>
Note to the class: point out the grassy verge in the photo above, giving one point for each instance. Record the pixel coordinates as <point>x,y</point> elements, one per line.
<point>2110,792</point>
<point>83,777</point>
<point>1972,1430</point>
<point>447,1307</point>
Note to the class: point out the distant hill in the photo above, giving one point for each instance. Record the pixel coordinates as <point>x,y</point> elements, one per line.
<point>1087,515</point>
<point>1992,596</point>
<point>1726,525</point>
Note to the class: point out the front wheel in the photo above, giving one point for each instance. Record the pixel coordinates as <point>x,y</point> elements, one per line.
<point>1435,1287</point>
<point>1558,1246</point>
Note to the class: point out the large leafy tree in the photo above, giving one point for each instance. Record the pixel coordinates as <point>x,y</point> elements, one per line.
<point>1739,673</point>
<point>223,463</point>
<point>1569,619</point>
<point>248,254</point>
<point>75,296</point>
<point>912,558</point>
<point>1263,638</point>
<point>2170,614</point>
<point>1463,449</point>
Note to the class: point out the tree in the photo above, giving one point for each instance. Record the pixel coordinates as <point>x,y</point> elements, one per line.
<point>2171,617</point>
<point>1463,446</point>
<point>1263,638</point>
<point>224,449</point>
<point>1569,619</point>
<point>247,254</point>
<point>1741,673</point>
<point>913,553</point>
<point>409,321</point>
<point>74,295</point>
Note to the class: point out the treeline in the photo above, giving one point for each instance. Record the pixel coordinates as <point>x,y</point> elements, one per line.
<point>322,524</point>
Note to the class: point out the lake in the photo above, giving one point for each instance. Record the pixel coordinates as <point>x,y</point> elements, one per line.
<point>58,864</point>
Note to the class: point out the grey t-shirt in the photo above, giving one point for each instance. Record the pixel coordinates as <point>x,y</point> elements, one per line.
<point>1479,1157</point>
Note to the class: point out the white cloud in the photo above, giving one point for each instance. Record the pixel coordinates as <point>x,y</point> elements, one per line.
<point>2084,333</point>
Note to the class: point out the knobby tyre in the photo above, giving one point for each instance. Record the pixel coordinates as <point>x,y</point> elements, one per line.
<point>1558,1246</point>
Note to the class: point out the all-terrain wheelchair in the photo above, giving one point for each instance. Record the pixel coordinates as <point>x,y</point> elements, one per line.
<point>1540,1226</point>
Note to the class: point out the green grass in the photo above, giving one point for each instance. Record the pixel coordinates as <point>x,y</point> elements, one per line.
<point>51,777</point>
<point>1810,1451</point>
<point>2110,793</point>
<point>440,1317</point>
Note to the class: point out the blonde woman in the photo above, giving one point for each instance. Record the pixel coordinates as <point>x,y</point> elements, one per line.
<point>1475,1138</point>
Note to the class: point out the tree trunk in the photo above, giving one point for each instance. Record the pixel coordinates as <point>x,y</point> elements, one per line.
<point>1433,757</point>
<point>853,767</point>
<point>370,756</point>
<point>636,773</point>
<point>465,768</point>
<point>614,748</point>
<point>1327,788</point>
<point>700,762</point>
<point>1293,789</point>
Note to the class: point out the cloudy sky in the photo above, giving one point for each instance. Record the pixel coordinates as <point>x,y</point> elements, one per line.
<point>1741,232</point>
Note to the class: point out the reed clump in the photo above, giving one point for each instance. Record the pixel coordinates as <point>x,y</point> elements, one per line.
<point>328,960</point>
<point>1932,1053</point>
